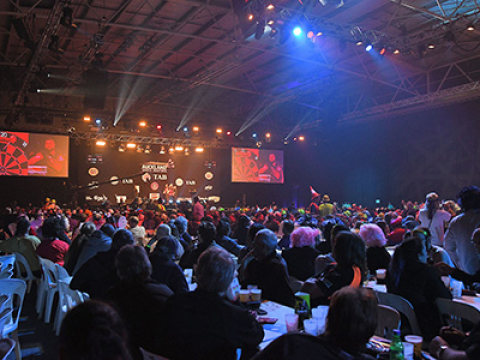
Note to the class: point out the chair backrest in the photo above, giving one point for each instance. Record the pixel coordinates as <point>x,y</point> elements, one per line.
<point>15,290</point>
<point>7,260</point>
<point>388,320</point>
<point>61,272</point>
<point>403,306</point>
<point>6,274</point>
<point>5,315</point>
<point>3,301</point>
<point>457,314</point>
<point>49,271</point>
<point>69,298</point>
<point>20,260</point>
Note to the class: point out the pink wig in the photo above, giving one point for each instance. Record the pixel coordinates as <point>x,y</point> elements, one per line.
<point>373,235</point>
<point>303,236</point>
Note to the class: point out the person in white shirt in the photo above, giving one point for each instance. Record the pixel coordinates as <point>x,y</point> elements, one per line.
<point>138,232</point>
<point>434,219</point>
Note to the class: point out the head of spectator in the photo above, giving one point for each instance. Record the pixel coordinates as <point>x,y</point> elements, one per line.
<point>287,227</point>
<point>87,228</point>
<point>252,232</point>
<point>166,247</point>
<point>215,271</point>
<point>181,223</point>
<point>121,238</point>
<point>207,232</point>
<point>108,230</point>
<point>23,227</point>
<point>349,251</point>
<point>264,244</point>
<point>49,228</point>
<point>132,265</point>
<point>410,251</point>
<point>373,235</point>
<point>93,331</point>
<point>304,236</point>
<point>133,221</point>
<point>432,204</point>
<point>396,223</point>
<point>223,228</point>
<point>469,198</point>
<point>352,318</point>
<point>163,230</point>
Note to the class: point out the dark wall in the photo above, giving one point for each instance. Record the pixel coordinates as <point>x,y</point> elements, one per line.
<point>400,158</point>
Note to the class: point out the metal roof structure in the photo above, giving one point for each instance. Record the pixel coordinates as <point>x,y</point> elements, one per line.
<point>234,63</point>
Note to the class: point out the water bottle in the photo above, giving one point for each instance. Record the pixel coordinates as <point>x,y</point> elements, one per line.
<point>396,347</point>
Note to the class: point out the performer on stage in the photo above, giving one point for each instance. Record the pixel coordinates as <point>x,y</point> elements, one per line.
<point>170,192</point>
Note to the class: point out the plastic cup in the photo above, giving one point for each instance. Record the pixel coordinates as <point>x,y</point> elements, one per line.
<point>408,350</point>
<point>256,294</point>
<point>291,320</point>
<point>311,326</point>
<point>456,288</point>
<point>244,295</point>
<point>320,315</point>
<point>381,273</point>
<point>417,344</point>
<point>188,275</point>
<point>250,287</point>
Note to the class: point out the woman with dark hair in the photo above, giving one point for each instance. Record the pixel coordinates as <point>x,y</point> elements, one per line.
<point>351,322</point>
<point>51,247</point>
<point>78,243</point>
<point>349,269</point>
<point>241,229</point>
<point>207,233</point>
<point>139,300</point>
<point>93,331</point>
<point>434,219</point>
<point>411,277</point>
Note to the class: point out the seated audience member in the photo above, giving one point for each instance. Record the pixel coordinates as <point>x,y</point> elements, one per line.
<point>326,259</point>
<point>467,346</point>
<point>229,244</point>
<point>24,244</point>
<point>377,256</point>
<point>164,268</point>
<point>268,270</point>
<point>138,232</point>
<point>93,331</point>
<point>139,300</point>
<point>351,322</point>
<point>349,269</point>
<point>98,274</point>
<point>411,277</point>
<point>78,243</point>
<point>287,229</point>
<point>435,254</point>
<point>204,324</point>
<point>247,250</point>
<point>51,247</point>
<point>206,236</point>
<point>181,223</point>
<point>447,269</point>
<point>99,241</point>
<point>301,256</point>
<point>241,229</point>
<point>397,232</point>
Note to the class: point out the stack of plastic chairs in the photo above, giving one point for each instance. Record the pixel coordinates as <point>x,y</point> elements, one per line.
<point>29,278</point>
<point>15,290</point>
<point>68,299</point>
<point>47,288</point>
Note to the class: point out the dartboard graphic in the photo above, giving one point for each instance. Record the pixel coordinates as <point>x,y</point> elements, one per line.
<point>245,168</point>
<point>13,160</point>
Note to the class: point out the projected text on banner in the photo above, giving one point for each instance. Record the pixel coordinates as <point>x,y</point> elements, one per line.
<point>27,154</point>
<point>257,165</point>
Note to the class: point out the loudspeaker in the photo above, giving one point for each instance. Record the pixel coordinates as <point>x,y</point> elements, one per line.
<point>95,85</point>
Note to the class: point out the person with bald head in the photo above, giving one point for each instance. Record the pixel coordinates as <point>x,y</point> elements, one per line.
<point>268,270</point>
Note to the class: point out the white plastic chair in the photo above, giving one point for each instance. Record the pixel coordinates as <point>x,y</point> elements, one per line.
<point>47,289</point>
<point>68,299</point>
<point>15,290</point>
<point>6,261</point>
<point>29,278</point>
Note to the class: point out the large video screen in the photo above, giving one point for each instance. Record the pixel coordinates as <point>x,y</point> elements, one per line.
<point>257,166</point>
<point>28,154</point>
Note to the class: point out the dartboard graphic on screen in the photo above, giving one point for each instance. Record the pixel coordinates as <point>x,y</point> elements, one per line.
<point>26,154</point>
<point>257,165</point>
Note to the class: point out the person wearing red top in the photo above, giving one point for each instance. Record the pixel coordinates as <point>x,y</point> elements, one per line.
<point>51,247</point>
<point>396,235</point>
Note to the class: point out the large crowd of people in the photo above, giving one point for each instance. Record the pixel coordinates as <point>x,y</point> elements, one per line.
<point>130,259</point>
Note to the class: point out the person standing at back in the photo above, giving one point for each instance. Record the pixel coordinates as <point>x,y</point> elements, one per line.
<point>434,219</point>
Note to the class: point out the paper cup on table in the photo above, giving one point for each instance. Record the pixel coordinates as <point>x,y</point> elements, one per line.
<point>408,350</point>
<point>256,294</point>
<point>291,320</point>
<point>244,295</point>
<point>381,274</point>
<point>417,344</point>
<point>311,326</point>
<point>456,287</point>
<point>188,275</point>
<point>320,315</point>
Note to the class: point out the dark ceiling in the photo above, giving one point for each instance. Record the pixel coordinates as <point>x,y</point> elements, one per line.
<point>197,62</point>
